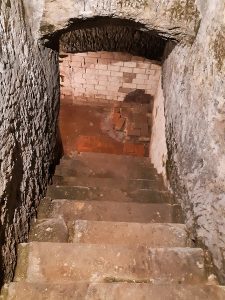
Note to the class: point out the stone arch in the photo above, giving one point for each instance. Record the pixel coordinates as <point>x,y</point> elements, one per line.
<point>112,35</point>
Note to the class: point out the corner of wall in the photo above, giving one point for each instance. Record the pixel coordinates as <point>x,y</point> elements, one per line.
<point>158,147</point>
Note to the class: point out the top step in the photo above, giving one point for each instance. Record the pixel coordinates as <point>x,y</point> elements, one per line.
<point>107,166</point>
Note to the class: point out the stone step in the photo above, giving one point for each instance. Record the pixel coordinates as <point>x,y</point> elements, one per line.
<point>122,233</point>
<point>49,230</point>
<point>69,171</point>
<point>108,194</point>
<point>113,291</point>
<point>63,262</point>
<point>113,183</point>
<point>107,166</point>
<point>110,211</point>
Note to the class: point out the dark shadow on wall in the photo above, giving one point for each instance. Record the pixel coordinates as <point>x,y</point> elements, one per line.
<point>139,96</point>
<point>58,153</point>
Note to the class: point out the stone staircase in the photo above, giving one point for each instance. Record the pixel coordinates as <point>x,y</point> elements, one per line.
<point>108,229</point>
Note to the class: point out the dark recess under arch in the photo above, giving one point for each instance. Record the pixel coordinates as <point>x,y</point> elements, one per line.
<point>108,34</point>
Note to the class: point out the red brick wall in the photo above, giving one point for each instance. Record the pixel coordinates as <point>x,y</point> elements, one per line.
<point>101,76</point>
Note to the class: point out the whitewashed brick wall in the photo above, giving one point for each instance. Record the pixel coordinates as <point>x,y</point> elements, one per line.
<point>106,76</point>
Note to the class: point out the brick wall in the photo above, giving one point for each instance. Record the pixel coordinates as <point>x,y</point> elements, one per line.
<point>101,76</point>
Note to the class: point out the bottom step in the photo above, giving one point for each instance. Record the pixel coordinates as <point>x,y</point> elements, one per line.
<point>113,291</point>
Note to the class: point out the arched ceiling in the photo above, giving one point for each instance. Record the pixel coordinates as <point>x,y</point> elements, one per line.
<point>113,35</point>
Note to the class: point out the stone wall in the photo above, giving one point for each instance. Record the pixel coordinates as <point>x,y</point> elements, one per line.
<point>100,76</point>
<point>28,109</point>
<point>194,90</point>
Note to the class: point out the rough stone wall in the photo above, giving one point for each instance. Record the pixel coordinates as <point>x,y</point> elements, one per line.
<point>28,110</point>
<point>102,76</point>
<point>194,90</point>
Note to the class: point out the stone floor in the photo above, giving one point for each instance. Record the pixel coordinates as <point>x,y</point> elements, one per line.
<point>120,128</point>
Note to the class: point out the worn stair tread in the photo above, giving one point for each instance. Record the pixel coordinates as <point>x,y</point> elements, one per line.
<point>122,233</point>
<point>118,183</point>
<point>108,194</point>
<point>95,158</point>
<point>110,211</point>
<point>113,291</point>
<point>49,230</point>
<point>60,262</point>
<point>106,165</point>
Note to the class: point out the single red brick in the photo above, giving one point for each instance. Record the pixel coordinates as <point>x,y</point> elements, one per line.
<point>125,90</point>
<point>130,64</point>
<point>128,77</point>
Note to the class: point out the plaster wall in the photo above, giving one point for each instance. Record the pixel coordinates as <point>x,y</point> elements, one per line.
<point>158,147</point>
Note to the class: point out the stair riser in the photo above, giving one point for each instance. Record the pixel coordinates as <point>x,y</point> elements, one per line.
<point>113,183</point>
<point>73,172</point>
<point>104,263</point>
<point>110,211</point>
<point>129,234</point>
<point>49,230</point>
<point>108,166</point>
<point>88,193</point>
<point>116,233</point>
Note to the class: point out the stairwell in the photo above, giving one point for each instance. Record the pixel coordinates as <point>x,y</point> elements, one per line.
<point>109,229</point>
